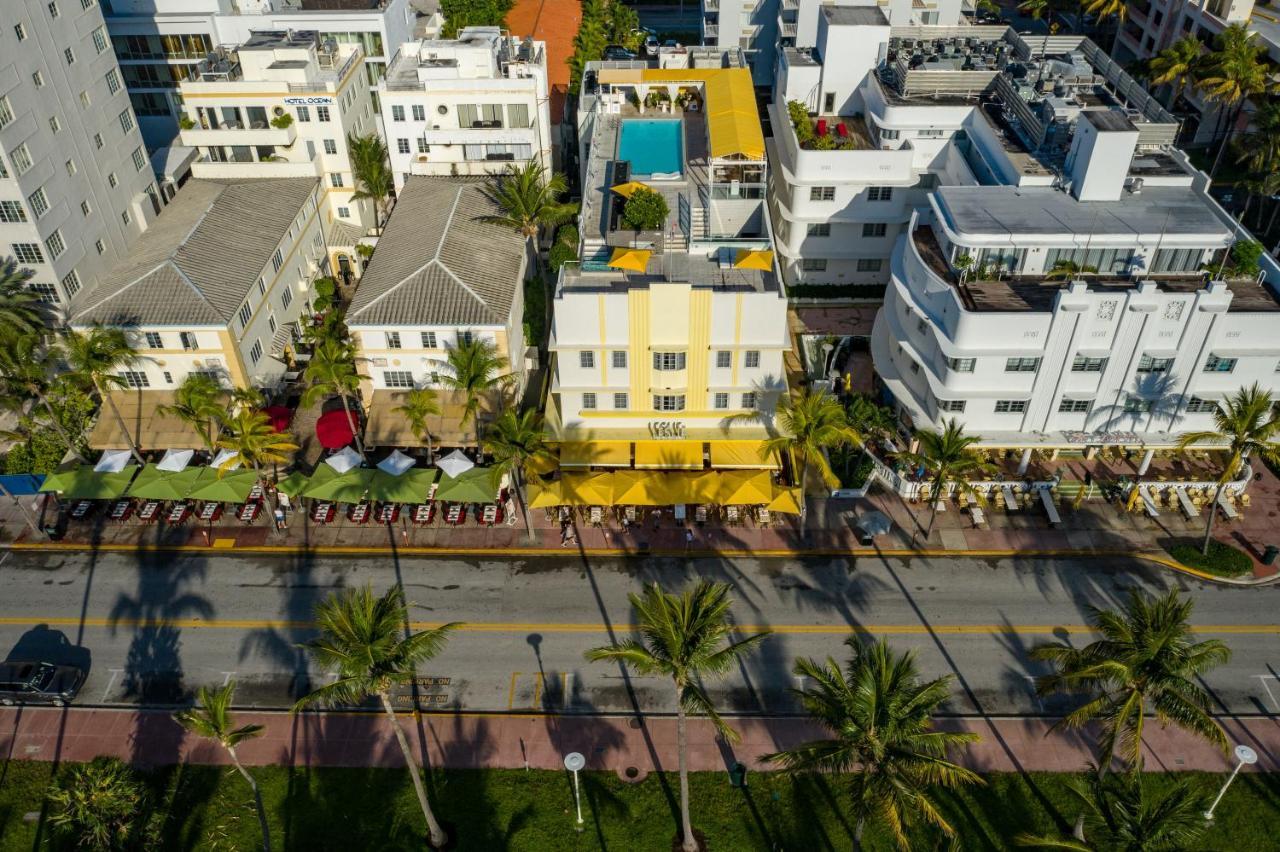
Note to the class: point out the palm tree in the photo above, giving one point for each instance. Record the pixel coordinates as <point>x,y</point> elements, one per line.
<point>1259,150</point>
<point>476,370</point>
<point>1235,71</point>
<point>1177,66</point>
<point>200,402</point>
<point>514,441</point>
<point>1145,658</point>
<point>99,806</point>
<point>254,443</point>
<point>361,638</point>
<point>212,720</point>
<point>21,311</point>
<point>1104,9</point>
<point>686,638</point>
<point>871,420</point>
<point>419,404</point>
<point>529,200</point>
<point>332,370</point>
<point>25,365</point>
<point>371,169</point>
<point>809,423</point>
<point>1126,818</point>
<point>948,462</point>
<point>1246,424</point>
<point>94,356</point>
<point>880,715</point>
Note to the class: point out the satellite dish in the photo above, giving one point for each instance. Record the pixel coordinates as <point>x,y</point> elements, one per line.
<point>574,761</point>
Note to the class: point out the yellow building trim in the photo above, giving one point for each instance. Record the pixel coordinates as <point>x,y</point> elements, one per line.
<point>604,349</point>
<point>231,352</point>
<point>638,343</point>
<point>665,415</point>
<point>699,349</point>
<point>737,336</point>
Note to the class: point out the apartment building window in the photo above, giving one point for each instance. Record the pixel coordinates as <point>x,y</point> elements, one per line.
<point>39,202</point>
<point>125,217</point>
<point>1218,364</point>
<point>419,112</point>
<point>397,113</point>
<point>587,360</point>
<point>139,159</point>
<point>85,99</point>
<point>620,402</point>
<point>874,229</point>
<point>286,297</point>
<point>100,246</point>
<point>518,115</point>
<point>1137,405</point>
<point>11,211</point>
<point>262,285</point>
<point>619,359</point>
<point>667,361</point>
<point>1010,406</point>
<point>402,145</point>
<point>1196,405</point>
<point>1082,364</point>
<point>398,379</point>
<point>1073,406</point>
<point>1021,365</point>
<point>97,141</point>
<point>55,245</point>
<point>70,166</point>
<point>135,379</point>
<point>465,338</point>
<point>188,341</point>
<point>37,77</point>
<point>53,10</point>
<point>255,353</point>
<point>71,282</point>
<point>54,124</point>
<point>961,365</point>
<point>20,31</point>
<point>112,180</point>
<point>589,401</point>
<point>955,406</point>
<point>304,114</point>
<point>428,340</point>
<point>818,229</point>
<point>813,264</point>
<point>113,82</point>
<point>822,193</point>
<point>870,264</point>
<point>668,402</point>
<point>751,359</point>
<point>886,133</point>
<point>277,260</point>
<point>154,341</point>
<point>87,4</point>
<point>28,252</point>
<point>331,146</point>
<point>721,401</point>
<point>344,212</point>
<point>126,120</point>
<point>749,400</point>
<point>1149,364</point>
<point>21,158</point>
<point>724,359</point>
<point>69,55</point>
<point>880,193</point>
<point>46,292</point>
<point>335,179</point>
<point>246,313</point>
<point>100,39</point>
<point>393,339</point>
<point>322,113</point>
<point>6,111</point>
<point>422,145</point>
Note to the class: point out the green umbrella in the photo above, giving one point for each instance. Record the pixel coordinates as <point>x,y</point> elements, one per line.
<point>348,487</point>
<point>85,483</point>
<point>155,484</point>
<point>233,487</point>
<point>412,486</point>
<point>293,484</point>
<point>472,486</point>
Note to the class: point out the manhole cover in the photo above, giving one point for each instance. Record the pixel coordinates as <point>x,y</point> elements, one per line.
<point>636,724</point>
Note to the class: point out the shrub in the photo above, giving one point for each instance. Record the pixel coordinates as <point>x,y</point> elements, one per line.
<point>564,249</point>
<point>1223,559</point>
<point>43,448</point>
<point>1245,255</point>
<point>281,121</point>
<point>473,13</point>
<point>185,122</point>
<point>325,286</point>
<point>100,805</point>
<point>646,210</point>
<point>801,122</point>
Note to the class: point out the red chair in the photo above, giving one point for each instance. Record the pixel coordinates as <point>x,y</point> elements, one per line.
<point>842,131</point>
<point>822,127</point>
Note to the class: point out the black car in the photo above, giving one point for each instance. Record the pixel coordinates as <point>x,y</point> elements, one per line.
<point>39,683</point>
<point>617,52</point>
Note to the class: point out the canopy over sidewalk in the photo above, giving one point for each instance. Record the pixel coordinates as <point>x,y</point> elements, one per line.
<point>84,483</point>
<point>152,430</point>
<point>387,427</point>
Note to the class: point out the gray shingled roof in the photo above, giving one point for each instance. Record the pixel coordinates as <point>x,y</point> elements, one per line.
<point>437,263</point>
<point>201,256</point>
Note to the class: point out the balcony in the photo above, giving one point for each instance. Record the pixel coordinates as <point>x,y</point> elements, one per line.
<point>229,136</point>
<point>208,169</point>
<point>710,31</point>
<point>710,6</point>
<point>786,29</point>
<point>479,136</point>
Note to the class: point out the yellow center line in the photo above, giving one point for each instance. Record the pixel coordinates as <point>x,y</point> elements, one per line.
<point>571,627</point>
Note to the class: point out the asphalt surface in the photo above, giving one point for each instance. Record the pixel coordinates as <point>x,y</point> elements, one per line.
<point>152,628</point>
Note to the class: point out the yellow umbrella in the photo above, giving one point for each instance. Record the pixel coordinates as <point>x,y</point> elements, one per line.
<point>745,488</point>
<point>544,495</point>
<point>635,488</point>
<point>698,487</point>
<point>636,260</point>
<point>785,500</point>
<point>588,489</point>
<point>761,259</point>
<point>626,190</point>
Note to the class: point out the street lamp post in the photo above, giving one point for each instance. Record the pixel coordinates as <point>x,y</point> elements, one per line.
<point>1244,755</point>
<point>574,762</point>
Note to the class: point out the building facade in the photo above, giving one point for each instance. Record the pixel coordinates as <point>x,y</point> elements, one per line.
<point>76,187</point>
<point>473,105</point>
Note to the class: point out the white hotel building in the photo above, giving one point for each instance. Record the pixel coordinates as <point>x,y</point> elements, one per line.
<point>1045,241</point>
<point>474,105</point>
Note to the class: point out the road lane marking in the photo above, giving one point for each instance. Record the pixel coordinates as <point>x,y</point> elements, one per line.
<point>537,690</point>
<point>226,677</point>
<point>1263,678</point>
<point>511,693</point>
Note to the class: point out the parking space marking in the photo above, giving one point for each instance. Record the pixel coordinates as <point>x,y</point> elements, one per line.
<point>1263,678</point>
<point>511,693</point>
<point>226,677</point>
<point>1031,685</point>
<point>115,673</point>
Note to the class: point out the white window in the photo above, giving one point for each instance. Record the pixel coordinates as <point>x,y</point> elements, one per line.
<point>188,340</point>
<point>135,379</point>
<point>422,145</point>
<point>814,264</point>
<point>6,111</point>
<point>97,141</point>
<point>393,340</point>
<point>721,401</point>
<point>620,401</point>
<point>1010,406</point>
<point>874,229</point>
<point>154,340</point>
<point>951,405</point>
<point>1081,364</point>
<point>620,359</point>
<point>246,313</point>
<point>69,55</point>
<point>1148,364</point>
<point>402,145</point>
<point>100,246</point>
<point>749,400</point>
<point>331,146</point>
<point>113,81</point>
<point>11,211</point>
<point>54,124</point>
<point>668,402</point>
<point>429,340</point>
<point>1196,405</point>
<point>100,39</point>
<point>21,158</point>
<point>751,359</point>
<point>255,354</point>
<point>53,10</point>
<point>1073,406</point>
<point>818,229</point>
<point>724,359</point>
<point>47,293</point>
<point>20,31</point>
<point>277,260</point>
<point>304,114</point>
<point>271,322</point>
<point>71,282</point>
<point>39,202</point>
<point>335,178</point>
<point>960,365</point>
<point>28,253</point>
<point>55,244</point>
<point>1218,364</point>
<point>1021,365</point>
<point>1137,405</point>
<point>419,112</point>
<point>139,159</point>
<point>397,113</point>
<point>879,193</point>
<point>397,379</point>
<point>126,120</point>
<point>344,212</point>
<point>70,166</point>
<point>262,285</point>
<point>586,360</point>
<point>85,100</point>
<point>870,264</point>
<point>286,297</point>
<point>822,193</point>
<point>125,217</point>
<point>588,401</point>
<point>112,180</point>
<point>37,77</point>
<point>322,113</point>
<point>667,361</point>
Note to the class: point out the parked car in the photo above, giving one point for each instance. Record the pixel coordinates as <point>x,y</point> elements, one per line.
<point>617,52</point>
<point>39,683</point>
<point>651,45</point>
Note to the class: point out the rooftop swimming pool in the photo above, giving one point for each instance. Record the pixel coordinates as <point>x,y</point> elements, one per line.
<point>654,147</point>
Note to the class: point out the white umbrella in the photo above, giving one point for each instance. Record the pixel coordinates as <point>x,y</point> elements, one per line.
<point>874,523</point>
<point>113,461</point>
<point>175,460</point>
<point>396,463</point>
<point>344,460</point>
<point>221,459</point>
<point>455,464</point>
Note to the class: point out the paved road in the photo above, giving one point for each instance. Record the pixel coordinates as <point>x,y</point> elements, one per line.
<point>155,628</point>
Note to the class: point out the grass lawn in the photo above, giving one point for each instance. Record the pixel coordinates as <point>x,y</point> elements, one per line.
<point>1223,560</point>
<point>209,808</point>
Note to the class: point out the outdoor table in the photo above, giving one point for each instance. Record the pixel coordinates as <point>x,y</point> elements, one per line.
<point>389,513</point>
<point>1051,510</point>
<point>210,511</point>
<point>731,514</point>
<point>248,513</point>
<point>490,516</point>
<point>358,513</point>
<point>178,514</point>
<point>700,514</point>
<point>455,514</point>
<point>763,516</point>
<point>1227,509</point>
<point>322,513</point>
<point>1188,508</point>
<point>80,509</point>
<point>255,493</point>
<point>423,513</point>
<point>1010,501</point>
<point>149,512</point>
<point>1148,503</point>
<point>121,510</point>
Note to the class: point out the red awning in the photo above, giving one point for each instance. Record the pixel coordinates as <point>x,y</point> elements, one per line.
<point>335,430</point>
<point>280,417</point>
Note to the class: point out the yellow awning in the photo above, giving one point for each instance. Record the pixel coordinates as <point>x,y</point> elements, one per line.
<point>745,488</point>
<point>587,489</point>
<point>695,487</point>
<point>761,259</point>
<point>542,465</point>
<point>637,488</point>
<point>626,190</point>
<point>544,495</point>
<point>785,500</point>
<point>636,260</point>
<point>595,454</point>
<point>741,455</point>
<point>669,455</point>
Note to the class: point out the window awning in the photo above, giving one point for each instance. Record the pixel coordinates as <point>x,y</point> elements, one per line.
<point>669,455</point>
<point>741,455</point>
<point>595,454</point>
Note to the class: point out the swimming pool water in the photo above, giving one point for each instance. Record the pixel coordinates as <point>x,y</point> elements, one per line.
<point>653,147</point>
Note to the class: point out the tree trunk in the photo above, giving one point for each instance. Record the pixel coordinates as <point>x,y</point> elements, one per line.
<point>804,496</point>
<point>438,837</point>
<point>31,522</point>
<point>1271,222</point>
<point>1244,211</point>
<point>857,833</point>
<point>686,825</point>
<point>124,429</point>
<point>1226,141</point>
<point>1213,512</point>
<point>517,486</point>
<point>355,424</point>
<point>257,799</point>
<point>57,425</point>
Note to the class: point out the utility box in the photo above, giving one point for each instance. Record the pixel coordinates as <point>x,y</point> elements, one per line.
<point>1269,555</point>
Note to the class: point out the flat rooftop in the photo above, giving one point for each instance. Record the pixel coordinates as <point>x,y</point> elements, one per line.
<point>855,16</point>
<point>697,269</point>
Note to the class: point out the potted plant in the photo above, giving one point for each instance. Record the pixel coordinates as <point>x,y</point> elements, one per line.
<point>646,210</point>
<point>280,122</point>
<point>185,122</point>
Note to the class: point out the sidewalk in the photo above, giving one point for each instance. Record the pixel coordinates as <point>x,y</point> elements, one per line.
<point>609,743</point>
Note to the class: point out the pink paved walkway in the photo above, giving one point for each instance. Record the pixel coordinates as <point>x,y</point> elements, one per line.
<point>152,738</point>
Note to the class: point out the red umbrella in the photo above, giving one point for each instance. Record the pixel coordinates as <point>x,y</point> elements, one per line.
<point>335,430</point>
<point>280,417</point>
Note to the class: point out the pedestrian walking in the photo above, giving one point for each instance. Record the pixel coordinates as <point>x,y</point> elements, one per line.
<point>688,540</point>
<point>278,516</point>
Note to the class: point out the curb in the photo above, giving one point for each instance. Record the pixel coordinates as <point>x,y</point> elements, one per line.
<point>904,553</point>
